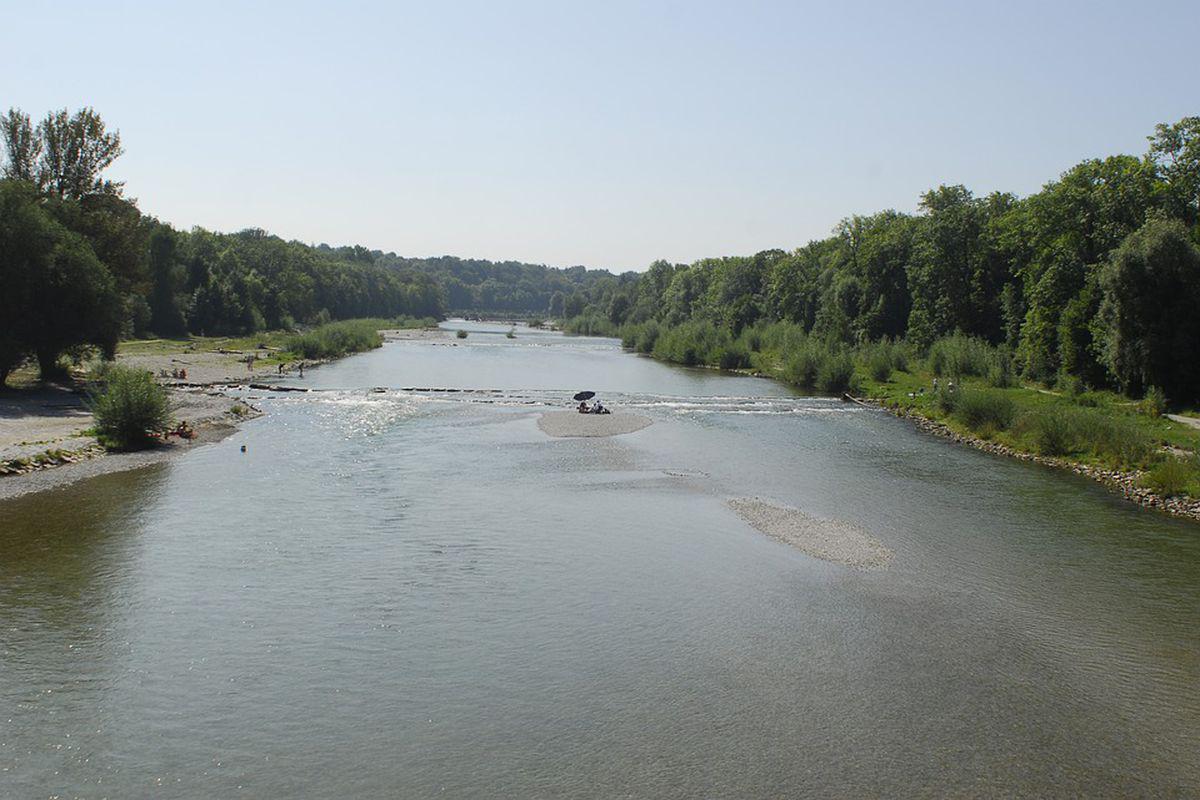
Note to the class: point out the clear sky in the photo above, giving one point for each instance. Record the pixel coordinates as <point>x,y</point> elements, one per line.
<point>603,133</point>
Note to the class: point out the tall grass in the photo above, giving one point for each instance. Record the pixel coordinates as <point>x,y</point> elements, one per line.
<point>822,366</point>
<point>336,339</point>
<point>130,410</point>
<point>1174,476</point>
<point>640,337</point>
<point>591,323</point>
<point>984,410</point>
<point>692,343</point>
<point>958,356</point>
<point>1068,430</point>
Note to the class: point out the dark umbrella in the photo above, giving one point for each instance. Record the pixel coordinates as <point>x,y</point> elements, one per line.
<point>585,396</point>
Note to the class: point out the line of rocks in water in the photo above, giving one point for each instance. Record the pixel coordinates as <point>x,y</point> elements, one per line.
<point>1125,483</point>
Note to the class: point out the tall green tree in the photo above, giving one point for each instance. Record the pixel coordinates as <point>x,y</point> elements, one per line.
<point>57,295</point>
<point>1151,295</point>
<point>22,144</point>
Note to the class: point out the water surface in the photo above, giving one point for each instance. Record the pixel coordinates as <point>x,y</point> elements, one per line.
<point>403,588</point>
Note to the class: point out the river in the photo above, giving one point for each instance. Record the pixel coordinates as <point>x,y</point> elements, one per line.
<point>401,590</point>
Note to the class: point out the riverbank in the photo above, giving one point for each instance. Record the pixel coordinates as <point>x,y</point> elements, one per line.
<point>1149,457</point>
<point>1127,483</point>
<point>29,464</point>
<point>45,438</point>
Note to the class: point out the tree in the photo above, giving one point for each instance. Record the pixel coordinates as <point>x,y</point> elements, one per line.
<point>76,148</point>
<point>167,316</point>
<point>945,250</point>
<point>1151,291</point>
<point>57,294</point>
<point>23,145</point>
<point>1175,149</point>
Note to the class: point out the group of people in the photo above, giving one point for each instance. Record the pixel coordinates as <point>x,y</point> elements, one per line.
<point>596,408</point>
<point>179,374</point>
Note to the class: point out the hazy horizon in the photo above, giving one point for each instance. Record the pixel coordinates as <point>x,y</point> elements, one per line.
<point>603,137</point>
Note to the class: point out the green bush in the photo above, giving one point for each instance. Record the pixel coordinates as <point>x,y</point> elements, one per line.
<point>1061,430</point>
<point>460,333</point>
<point>984,410</point>
<point>1050,430</point>
<point>803,365</point>
<point>640,337</point>
<point>1173,477</point>
<point>336,339</point>
<point>1001,374</point>
<point>692,343</point>
<point>782,337</point>
<point>735,356</point>
<point>835,373</point>
<point>958,356</point>
<point>131,410</point>
<point>946,398</point>
<point>590,323</point>
<point>879,363</point>
<point>1153,403</point>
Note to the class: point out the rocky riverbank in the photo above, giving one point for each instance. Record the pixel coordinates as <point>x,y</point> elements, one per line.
<point>1125,483</point>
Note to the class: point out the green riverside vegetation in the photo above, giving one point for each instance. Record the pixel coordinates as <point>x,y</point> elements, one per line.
<point>336,339</point>
<point>131,409</point>
<point>1066,320</point>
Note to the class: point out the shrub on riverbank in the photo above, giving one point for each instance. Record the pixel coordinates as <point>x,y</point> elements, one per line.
<point>336,339</point>
<point>640,337</point>
<point>1174,476</point>
<point>692,343</point>
<point>1062,430</point>
<point>959,356</point>
<point>131,409</point>
<point>984,410</point>
<point>592,323</point>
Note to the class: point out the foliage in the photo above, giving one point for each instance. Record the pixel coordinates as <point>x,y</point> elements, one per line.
<point>1151,294</point>
<point>56,296</point>
<point>336,339</point>
<point>1061,430</point>
<point>959,356</point>
<point>984,409</point>
<point>1174,476</point>
<point>692,343</point>
<point>460,333</point>
<point>1153,403</point>
<point>131,410</point>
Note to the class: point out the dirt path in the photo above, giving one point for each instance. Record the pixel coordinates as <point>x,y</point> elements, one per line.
<point>1191,422</point>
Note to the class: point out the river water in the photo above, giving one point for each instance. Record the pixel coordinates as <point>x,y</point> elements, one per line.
<point>414,592</point>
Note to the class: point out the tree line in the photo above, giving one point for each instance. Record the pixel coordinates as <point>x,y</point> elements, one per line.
<point>480,286</point>
<point>1095,279</point>
<point>82,267</point>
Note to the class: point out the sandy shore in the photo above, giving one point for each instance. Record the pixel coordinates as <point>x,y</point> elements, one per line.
<point>568,424</point>
<point>212,415</point>
<point>107,463</point>
<point>206,368</point>
<point>829,540</point>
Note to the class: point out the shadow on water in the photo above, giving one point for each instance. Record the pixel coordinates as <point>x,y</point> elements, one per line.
<point>61,551</point>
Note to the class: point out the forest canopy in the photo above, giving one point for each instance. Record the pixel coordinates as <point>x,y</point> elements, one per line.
<point>1090,279</point>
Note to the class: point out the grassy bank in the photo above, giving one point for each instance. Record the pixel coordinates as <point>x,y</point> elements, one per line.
<point>963,383</point>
